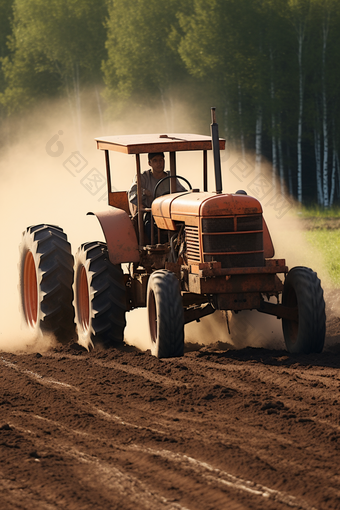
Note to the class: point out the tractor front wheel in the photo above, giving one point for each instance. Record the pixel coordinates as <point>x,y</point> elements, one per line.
<point>99,297</point>
<point>302,290</point>
<point>45,282</point>
<point>166,315</point>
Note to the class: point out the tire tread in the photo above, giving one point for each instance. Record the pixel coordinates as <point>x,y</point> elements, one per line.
<point>170,341</point>
<point>54,266</point>
<point>108,304</point>
<point>311,308</point>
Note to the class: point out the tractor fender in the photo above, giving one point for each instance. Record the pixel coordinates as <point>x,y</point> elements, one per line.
<point>267,242</point>
<point>120,235</point>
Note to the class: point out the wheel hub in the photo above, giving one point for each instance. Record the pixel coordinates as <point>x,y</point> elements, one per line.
<point>83,300</point>
<point>30,290</point>
<point>153,317</point>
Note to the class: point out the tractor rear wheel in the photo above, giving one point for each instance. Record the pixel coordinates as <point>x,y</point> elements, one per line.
<point>99,297</point>
<point>45,282</point>
<point>302,289</point>
<point>166,315</point>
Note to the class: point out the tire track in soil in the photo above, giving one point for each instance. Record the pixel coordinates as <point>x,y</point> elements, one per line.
<point>254,439</point>
<point>136,491</point>
<point>105,476</point>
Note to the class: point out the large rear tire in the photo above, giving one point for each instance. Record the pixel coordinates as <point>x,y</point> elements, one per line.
<point>302,289</point>
<point>166,315</point>
<point>99,298</point>
<point>45,282</point>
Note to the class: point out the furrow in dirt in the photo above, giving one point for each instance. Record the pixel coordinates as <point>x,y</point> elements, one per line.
<point>131,487</point>
<point>259,416</point>
<point>140,372</point>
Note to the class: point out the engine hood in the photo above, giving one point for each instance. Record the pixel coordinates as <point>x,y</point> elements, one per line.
<point>190,206</point>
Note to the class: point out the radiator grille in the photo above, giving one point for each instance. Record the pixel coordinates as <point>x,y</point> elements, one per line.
<point>252,241</point>
<point>217,225</point>
<point>192,243</point>
<point>249,223</point>
<point>235,242</point>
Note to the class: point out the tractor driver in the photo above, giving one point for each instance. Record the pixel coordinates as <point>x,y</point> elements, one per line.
<point>149,179</point>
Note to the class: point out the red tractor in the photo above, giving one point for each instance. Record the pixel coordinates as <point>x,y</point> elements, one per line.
<point>211,251</point>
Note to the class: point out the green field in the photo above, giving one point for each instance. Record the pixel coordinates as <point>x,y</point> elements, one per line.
<point>322,231</point>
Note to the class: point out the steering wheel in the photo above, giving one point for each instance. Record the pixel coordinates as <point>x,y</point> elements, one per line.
<point>170,177</point>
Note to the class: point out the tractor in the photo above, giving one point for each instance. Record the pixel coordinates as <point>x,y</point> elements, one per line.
<point>208,251</point>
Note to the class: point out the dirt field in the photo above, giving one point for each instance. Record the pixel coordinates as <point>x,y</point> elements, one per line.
<point>216,429</point>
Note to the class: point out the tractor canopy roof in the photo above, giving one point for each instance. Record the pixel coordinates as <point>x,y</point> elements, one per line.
<point>145,143</point>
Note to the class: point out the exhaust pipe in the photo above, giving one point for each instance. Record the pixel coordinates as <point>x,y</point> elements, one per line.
<point>216,151</point>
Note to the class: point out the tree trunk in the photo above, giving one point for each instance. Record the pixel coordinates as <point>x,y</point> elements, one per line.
<point>274,158</point>
<point>331,200</point>
<point>338,167</point>
<point>272,95</point>
<point>317,150</point>
<point>325,26</point>
<point>299,138</point>
<point>258,140</point>
<point>281,167</point>
<point>243,150</point>
<point>167,111</point>
<point>73,107</point>
<point>100,111</point>
<point>164,109</point>
<point>76,88</point>
<point>290,177</point>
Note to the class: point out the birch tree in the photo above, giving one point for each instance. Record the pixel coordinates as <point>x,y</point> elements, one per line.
<point>300,11</point>
<point>325,31</point>
<point>277,45</point>
<point>324,48</point>
<point>333,93</point>
<point>222,44</point>
<point>271,66</point>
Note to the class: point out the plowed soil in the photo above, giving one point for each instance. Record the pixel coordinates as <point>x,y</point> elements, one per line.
<point>216,429</point>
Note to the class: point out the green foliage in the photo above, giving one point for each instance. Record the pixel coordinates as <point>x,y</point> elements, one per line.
<point>6,14</point>
<point>142,49</point>
<point>238,45</point>
<point>278,58</point>
<point>255,60</point>
<point>54,45</point>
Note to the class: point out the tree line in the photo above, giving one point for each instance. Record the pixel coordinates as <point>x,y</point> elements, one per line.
<point>271,66</point>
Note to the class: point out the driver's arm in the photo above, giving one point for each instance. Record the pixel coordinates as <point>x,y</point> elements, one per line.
<point>132,194</point>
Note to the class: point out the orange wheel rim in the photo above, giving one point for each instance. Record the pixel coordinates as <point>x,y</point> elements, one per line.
<point>30,290</point>
<point>83,299</point>
<point>153,317</point>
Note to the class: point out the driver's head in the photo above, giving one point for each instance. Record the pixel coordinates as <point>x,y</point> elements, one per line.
<point>157,163</point>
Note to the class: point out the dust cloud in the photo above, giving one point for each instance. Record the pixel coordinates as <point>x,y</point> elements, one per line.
<point>38,187</point>
<point>46,168</point>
